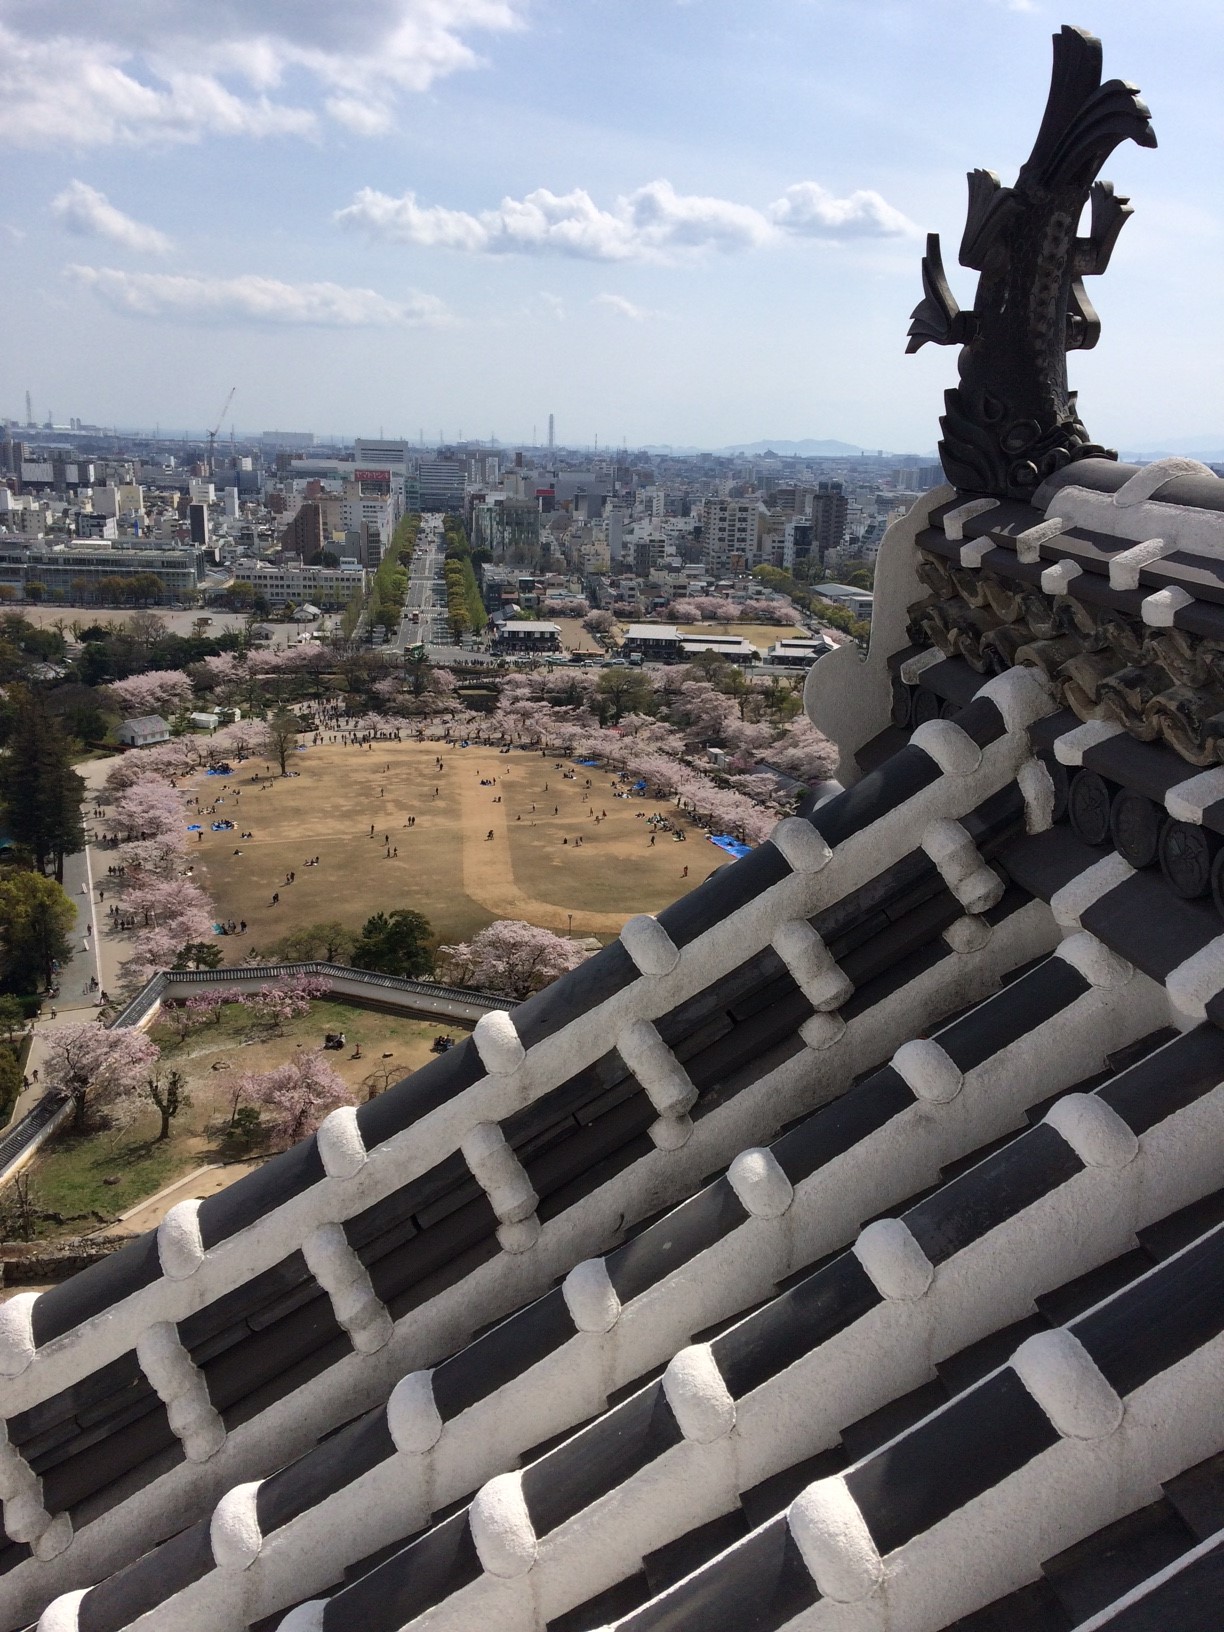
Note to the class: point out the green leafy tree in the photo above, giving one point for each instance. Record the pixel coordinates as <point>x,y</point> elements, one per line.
<point>35,591</point>
<point>10,1082</point>
<point>623,691</point>
<point>42,793</point>
<point>395,943</point>
<point>198,955</point>
<point>36,918</point>
<point>12,1018</point>
<point>326,942</point>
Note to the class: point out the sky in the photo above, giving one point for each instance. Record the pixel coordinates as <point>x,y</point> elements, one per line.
<point>687,222</point>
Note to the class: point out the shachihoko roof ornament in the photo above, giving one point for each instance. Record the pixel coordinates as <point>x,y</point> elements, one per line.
<point>1012,422</point>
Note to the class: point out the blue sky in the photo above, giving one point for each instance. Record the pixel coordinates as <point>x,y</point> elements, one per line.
<point>684,221</point>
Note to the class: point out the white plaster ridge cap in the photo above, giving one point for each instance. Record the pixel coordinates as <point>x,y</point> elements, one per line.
<point>1037,790</point>
<point>1069,904</point>
<point>821,1030</point>
<point>180,1249</point>
<point>1070,748</point>
<point>1098,964</point>
<point>341,1147</point>
<point>590,1297</point>
<point>1022,695</point>
<point>234,1529</point>
<point>796,942</point>
<point>1028,543</point>
<point>968,934</point>
<point>498,1043</point>
<point>834,1542</point>
<point>501,1527</point>
<point>954,520</point>
<point>949,745</point>
<point>413,1419</point>
<point>1094,1130</point>
<point>161,1354</point>
<point>928,1070</point>
<point>894,1260</point>
<point>1148,481</point>
<point>17,1348</point>
<point>499,1172</point>
<point>329,1258</point>
<point>974,552</point>
<point>1186,801</point>
<point>649,945</point>
<point>671,1132</point>
<point>1125,567</point>
<point>918,664</point>
<point>758,1179</point>
<point>1068,1385</point>
<point>1193,984</point>
<point>1057,579</point>
<point>1160,607</point>
<point>60,1614</point>
<point>700,1400</point>
<point>55,1539</point>
<point>305,1618</point>
<point>948,844</point>
<point>666,1082</point>
<point>803,848</point>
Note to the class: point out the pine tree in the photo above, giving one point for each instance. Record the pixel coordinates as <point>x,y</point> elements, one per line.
<point>42,793</point>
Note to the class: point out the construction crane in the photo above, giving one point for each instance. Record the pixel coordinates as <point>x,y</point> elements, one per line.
<point>212,435</point>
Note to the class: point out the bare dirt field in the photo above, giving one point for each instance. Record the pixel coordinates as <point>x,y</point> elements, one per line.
<point>447,867</point>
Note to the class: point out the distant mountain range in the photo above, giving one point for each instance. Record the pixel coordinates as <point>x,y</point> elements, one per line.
<point>805,449</point>
<point>1207,451</point>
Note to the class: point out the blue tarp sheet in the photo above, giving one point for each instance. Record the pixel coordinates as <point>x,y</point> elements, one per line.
<point>639,787</point>
<point>733,847</point>
<point>194,827</point>
<point>586,762</point>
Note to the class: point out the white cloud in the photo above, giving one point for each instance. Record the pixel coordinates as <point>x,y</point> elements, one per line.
<point>623,307</point>
<point>810,211</point>
<point>655,223</point>
<point>90,214</point>
<point>254,299</point>
<point>350,63</point>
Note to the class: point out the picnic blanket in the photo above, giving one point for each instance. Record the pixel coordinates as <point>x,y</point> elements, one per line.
<point>733,847</point>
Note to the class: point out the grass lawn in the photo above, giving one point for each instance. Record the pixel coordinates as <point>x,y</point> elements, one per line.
<point>69,1175</point>
<point>447,867</point>
<point>761,635</point>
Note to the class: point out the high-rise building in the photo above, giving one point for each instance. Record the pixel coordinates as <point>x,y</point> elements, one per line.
<point>728,533</point>
<point>830,508</point>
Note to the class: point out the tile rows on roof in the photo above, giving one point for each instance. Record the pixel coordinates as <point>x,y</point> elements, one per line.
<point>719,1219</point>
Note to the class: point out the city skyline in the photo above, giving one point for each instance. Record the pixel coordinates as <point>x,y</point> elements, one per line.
<point>667,225</point>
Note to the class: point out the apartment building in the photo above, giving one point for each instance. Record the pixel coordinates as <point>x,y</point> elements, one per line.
<point>729,533</point>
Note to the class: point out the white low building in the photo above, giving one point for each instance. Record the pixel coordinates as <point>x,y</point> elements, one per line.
<point>144,732</point>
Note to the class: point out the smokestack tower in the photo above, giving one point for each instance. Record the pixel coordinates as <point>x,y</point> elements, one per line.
<point>551,431</point>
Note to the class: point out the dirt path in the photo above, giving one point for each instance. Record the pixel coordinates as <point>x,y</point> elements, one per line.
<point>488,872</point>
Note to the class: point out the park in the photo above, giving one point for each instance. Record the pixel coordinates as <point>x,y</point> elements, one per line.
<point>348,805</point>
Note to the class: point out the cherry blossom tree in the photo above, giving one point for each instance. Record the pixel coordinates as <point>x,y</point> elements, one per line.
<point>100,1071</point>
<point>598,623</point>
<point>170,913</point>
<point>156,691</point>
<point>803,752</point>
<point>295,1097</point>
<point>278,1002</point>
<point>148,806</point>
<point>510,957</point>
